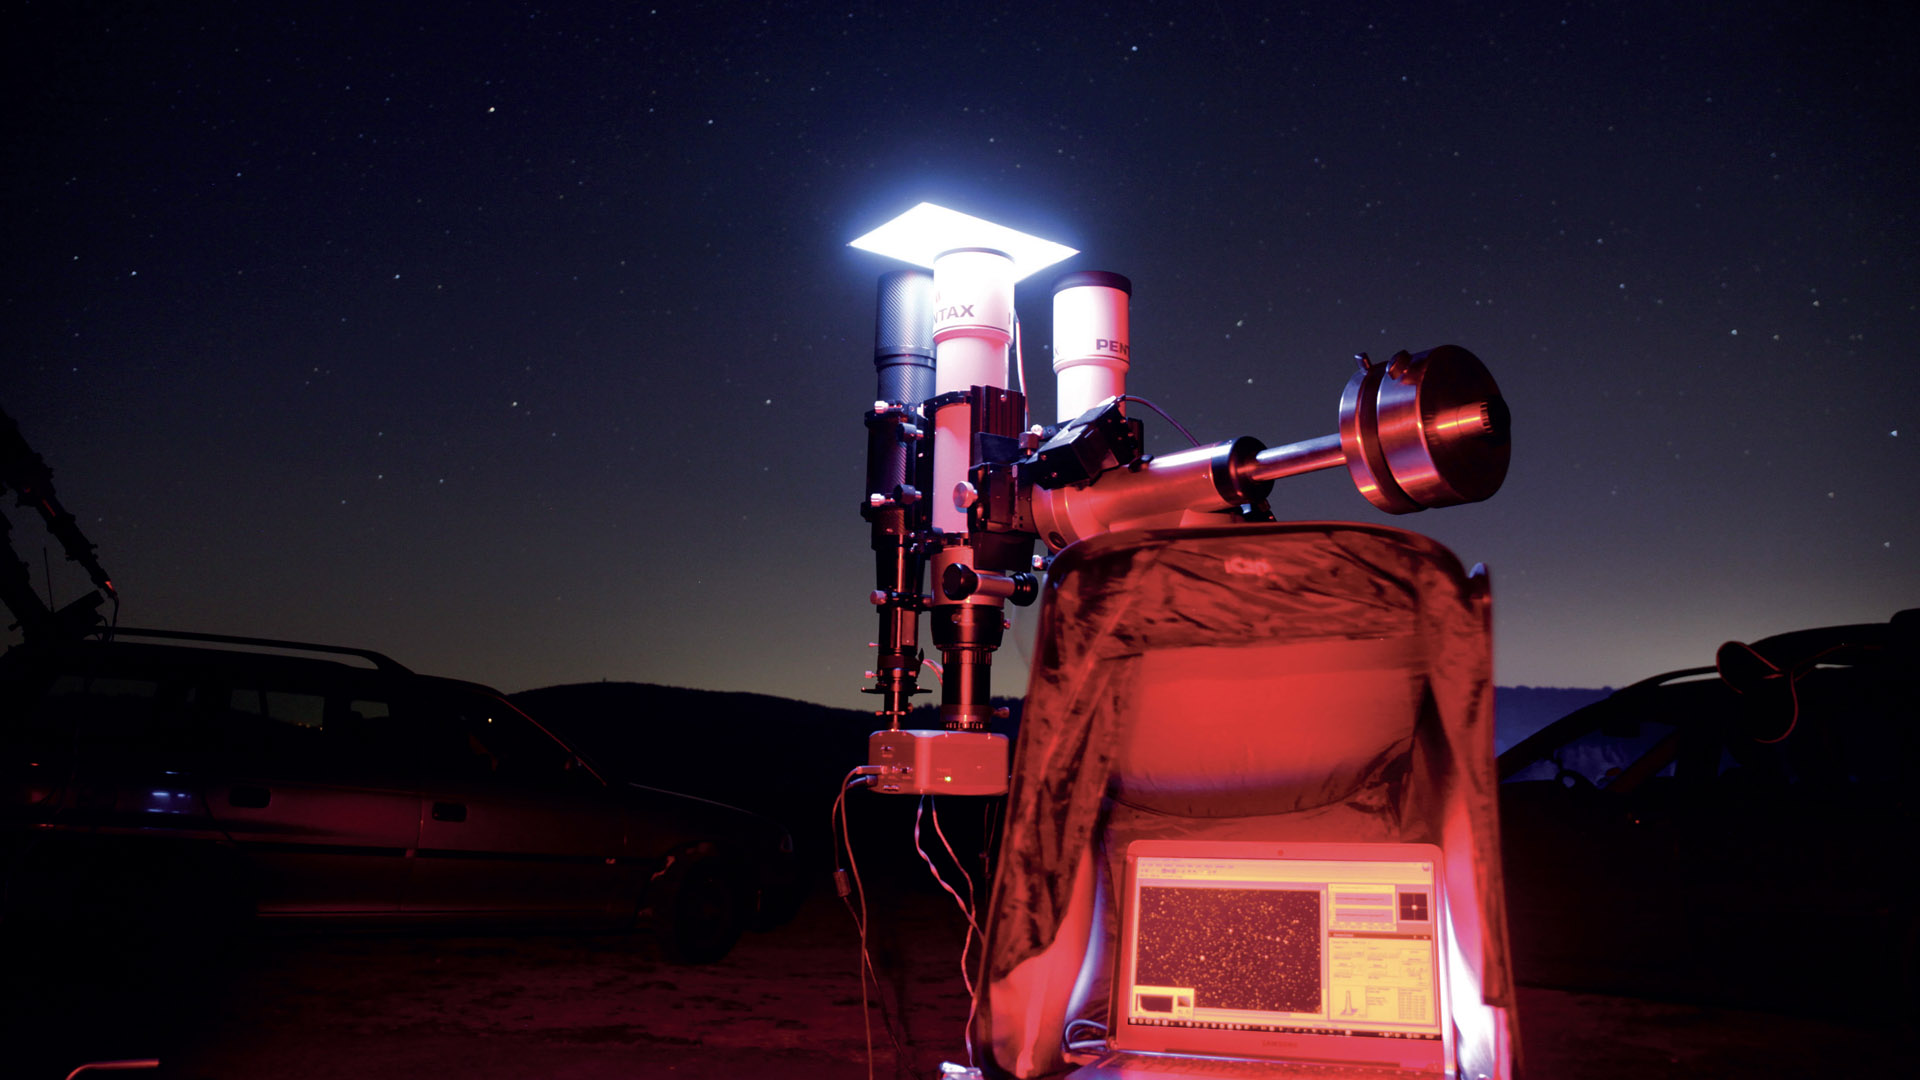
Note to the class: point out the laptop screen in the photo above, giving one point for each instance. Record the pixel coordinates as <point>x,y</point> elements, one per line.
<point>1309,952</point>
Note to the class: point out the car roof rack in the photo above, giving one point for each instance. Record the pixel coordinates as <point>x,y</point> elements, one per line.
<point>380,661</point>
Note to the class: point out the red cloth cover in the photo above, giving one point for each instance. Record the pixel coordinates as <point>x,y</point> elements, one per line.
<point>1291,681</point>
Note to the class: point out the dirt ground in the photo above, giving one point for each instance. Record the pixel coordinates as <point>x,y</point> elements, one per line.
<point>784,1004</point>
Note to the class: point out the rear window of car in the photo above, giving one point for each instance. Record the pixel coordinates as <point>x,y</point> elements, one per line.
<point>108,712</point>
<point>282,718</point>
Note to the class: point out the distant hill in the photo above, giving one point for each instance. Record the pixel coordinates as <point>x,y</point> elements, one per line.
<point>754,751</point>
<point>1519,711</point>
<point>779,756</point>
<point>785,758</point>
<point>771,755</point>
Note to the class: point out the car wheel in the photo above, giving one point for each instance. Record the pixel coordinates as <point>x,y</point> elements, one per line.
<point>704,916</point>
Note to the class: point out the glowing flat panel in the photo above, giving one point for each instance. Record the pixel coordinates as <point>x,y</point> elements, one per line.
<point>922,233</point>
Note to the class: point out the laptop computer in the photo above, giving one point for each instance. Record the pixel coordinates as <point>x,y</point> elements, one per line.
<point>1267,959</point>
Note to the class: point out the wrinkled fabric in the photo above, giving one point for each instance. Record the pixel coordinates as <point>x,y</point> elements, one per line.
<point>1294,681</point>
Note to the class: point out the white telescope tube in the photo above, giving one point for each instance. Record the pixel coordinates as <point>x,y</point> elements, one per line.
<point>972,327</point>
<point>1089,340</point>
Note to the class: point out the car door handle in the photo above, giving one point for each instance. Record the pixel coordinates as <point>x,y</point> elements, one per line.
<point>449,811</point>
<point>248,796</point>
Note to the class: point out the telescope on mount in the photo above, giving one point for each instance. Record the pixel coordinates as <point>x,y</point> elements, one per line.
<point>964,487</point>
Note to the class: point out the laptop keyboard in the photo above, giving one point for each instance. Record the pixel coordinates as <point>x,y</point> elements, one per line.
<point>1160,1065</point>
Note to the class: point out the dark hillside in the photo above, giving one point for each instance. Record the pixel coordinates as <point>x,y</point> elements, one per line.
<point>768,753</point>
<point>774,756</point>
<point>754,751</point>
<point>1519,711</point>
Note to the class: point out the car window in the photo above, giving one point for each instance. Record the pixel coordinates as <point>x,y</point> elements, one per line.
<point>341,732</point>
<point>1602,754</point>
<point>304,711</point>
<point>475,736</point>
<point>112,714</point>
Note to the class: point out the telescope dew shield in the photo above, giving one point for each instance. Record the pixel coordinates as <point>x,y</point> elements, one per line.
<point>1425,430</point>
<point>1089,340</point>
<point>1444,427</point>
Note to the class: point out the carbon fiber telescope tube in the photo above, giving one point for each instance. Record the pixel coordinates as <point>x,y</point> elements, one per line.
<point>903,338</point>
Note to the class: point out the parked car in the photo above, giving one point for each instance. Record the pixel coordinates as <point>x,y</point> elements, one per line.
<point>186,776</point>
<point>1739,833</point>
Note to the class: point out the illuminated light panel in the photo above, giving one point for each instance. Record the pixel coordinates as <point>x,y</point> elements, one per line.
<point>922,233</point>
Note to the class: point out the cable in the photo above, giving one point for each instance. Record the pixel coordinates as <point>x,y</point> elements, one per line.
<point>837,823</point>
<point>972,910</point>
<point>1177,426</point>
<point>861,776</point>
<point>1019,358</point>
<point>1793,715</point>
<point>966,906</point>
<point>1069,1045</point>
<point>1793,672</point>
<point>972,897</point>
<point>989,810</point>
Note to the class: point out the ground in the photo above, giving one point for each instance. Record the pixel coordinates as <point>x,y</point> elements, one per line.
<point>785,1004</point>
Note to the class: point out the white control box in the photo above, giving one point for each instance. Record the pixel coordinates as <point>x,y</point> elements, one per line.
<point>920,762</point>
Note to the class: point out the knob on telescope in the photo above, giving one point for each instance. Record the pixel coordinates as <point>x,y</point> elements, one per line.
<point>1425,430</point>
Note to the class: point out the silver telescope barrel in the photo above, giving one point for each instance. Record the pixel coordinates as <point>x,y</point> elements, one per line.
<point>1312,455</point>
<point>1475,418</point>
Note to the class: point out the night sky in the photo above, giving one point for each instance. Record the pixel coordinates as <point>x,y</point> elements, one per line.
<point>523,342</point>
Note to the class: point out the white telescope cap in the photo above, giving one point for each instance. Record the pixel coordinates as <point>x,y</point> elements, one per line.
<point>921,234</point>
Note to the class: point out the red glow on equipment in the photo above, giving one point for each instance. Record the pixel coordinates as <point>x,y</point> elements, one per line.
<point>1202,672</point>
